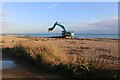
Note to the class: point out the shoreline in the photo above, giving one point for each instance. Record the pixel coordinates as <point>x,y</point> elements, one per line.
<point>77,37</point>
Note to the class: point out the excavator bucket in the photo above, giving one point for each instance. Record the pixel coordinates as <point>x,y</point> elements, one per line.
<point>49,29</point>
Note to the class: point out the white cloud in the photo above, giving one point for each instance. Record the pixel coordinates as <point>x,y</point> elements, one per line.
<point>109,23</point>
<point>104,26</point>
<point>0,14</point>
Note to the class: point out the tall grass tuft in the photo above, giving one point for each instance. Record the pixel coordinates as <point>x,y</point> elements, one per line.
<point>50,57</point>
<point>53,59</point>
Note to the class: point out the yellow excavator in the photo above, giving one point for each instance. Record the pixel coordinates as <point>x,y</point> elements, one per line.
<point>64,34</point>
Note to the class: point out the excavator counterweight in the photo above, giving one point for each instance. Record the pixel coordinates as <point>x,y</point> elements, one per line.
<point>65,34</point>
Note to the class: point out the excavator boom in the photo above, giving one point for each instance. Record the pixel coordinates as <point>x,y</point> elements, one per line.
<point>56,23</point>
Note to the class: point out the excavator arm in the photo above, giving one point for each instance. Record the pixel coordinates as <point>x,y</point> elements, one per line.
<point>64,34</point>
<point>56,23</point>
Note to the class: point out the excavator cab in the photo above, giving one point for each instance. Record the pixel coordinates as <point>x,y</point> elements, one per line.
<point>67,34</point>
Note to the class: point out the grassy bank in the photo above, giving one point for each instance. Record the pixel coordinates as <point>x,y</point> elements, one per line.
<point>56,60</point>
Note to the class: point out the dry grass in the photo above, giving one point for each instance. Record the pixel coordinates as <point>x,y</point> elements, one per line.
<point>50,54</point>
<point>50,57</point>
<point>68,57</point>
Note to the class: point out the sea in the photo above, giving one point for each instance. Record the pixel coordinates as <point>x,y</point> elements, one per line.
<point>113,36</point>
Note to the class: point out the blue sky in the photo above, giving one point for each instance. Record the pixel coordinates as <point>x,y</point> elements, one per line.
<point>80,17</point>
